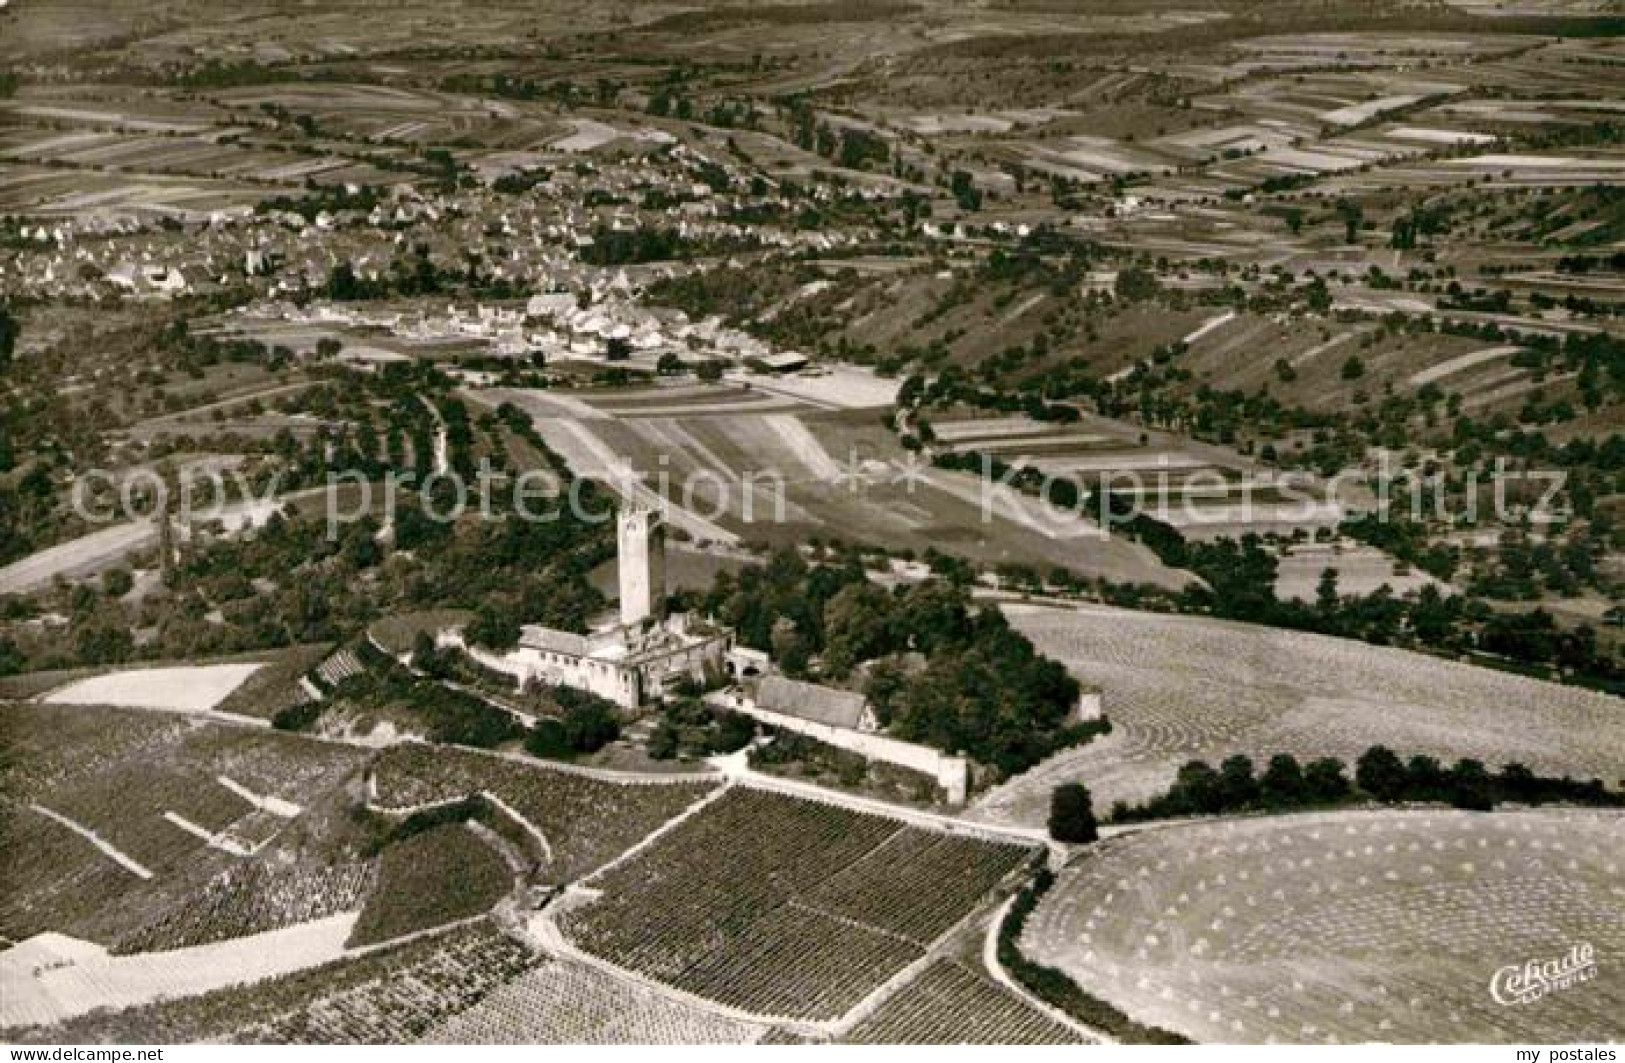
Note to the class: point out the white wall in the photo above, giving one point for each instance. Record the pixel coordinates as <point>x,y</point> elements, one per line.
<point>951,773</point>
<point>615,683</point>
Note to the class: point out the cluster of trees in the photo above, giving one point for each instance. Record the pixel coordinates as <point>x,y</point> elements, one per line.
<point>954,387</point>
<point>293,583</point>
<point>12,659</point>
<point>1161,392</point>
<point>799,756</point>
<point>1072,814</point>
<point>585,724</point>
<point>1586,263</point>
<point>936,669</point>
<point>1054,987</point>
<point>851,146</point>
<point>386,686</point>
<point>330,199</point>
<point>580,723</point>
<point>963,186</point>
<point>725,114</point>
<point>624,247</point>
<point>1380,775</point>
<point>690,728</point>
<point>1240,585</point>
<point>521,88</point>
<point>1405,539</point>
<point>1240,574</point>
<point>223,74</point>
<point>1522,567</point>
<point>191,353</point>
<point>418,274</point>
<point>572,721</point>
<point>522,181</point>
<point>621,247</point>
<point>26,506</point>
<point>452,664</point>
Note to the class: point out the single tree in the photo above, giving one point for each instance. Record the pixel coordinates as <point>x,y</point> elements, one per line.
<point>1282,783</point>
<point>1380,773</point>
<point>1072,814</point>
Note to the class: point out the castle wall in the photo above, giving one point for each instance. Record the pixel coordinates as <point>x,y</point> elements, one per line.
<point>951,773</point>
<point>613,682</point>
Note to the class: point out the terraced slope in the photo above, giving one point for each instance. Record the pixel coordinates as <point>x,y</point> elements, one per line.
<point>786,908</point>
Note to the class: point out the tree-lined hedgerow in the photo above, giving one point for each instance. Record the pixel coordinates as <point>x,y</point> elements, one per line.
<point>1380,775</point>
<point>1053,986</point>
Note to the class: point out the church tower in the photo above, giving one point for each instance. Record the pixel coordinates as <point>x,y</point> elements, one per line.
<point>641,542</point>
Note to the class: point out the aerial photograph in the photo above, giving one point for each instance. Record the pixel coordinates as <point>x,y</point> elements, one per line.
<point>812,522</point>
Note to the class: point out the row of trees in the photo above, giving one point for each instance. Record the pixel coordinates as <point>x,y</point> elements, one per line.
<point>9,330</point>
<point>1054,987</point>
<point>689,727</point>
<point>1380,775</point>
<point>1468,784</point>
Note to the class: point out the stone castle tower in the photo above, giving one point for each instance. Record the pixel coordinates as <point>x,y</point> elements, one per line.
<point>641,542</point>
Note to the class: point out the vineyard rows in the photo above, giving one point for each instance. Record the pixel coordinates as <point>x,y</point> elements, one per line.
<point>914,863</point>
<point>341,666</point>
<point>275,686</point>
<point>274,1008</point>
<point>785,907</point>
<point>48,747</point>
<point>587,821</point>
<point>795,963</point>
<point>125,801</point>
<point>126,806</point>
<point>254,831</point>
<point>51,874</point>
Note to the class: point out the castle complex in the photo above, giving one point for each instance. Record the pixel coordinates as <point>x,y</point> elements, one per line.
<point>632,661</point>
